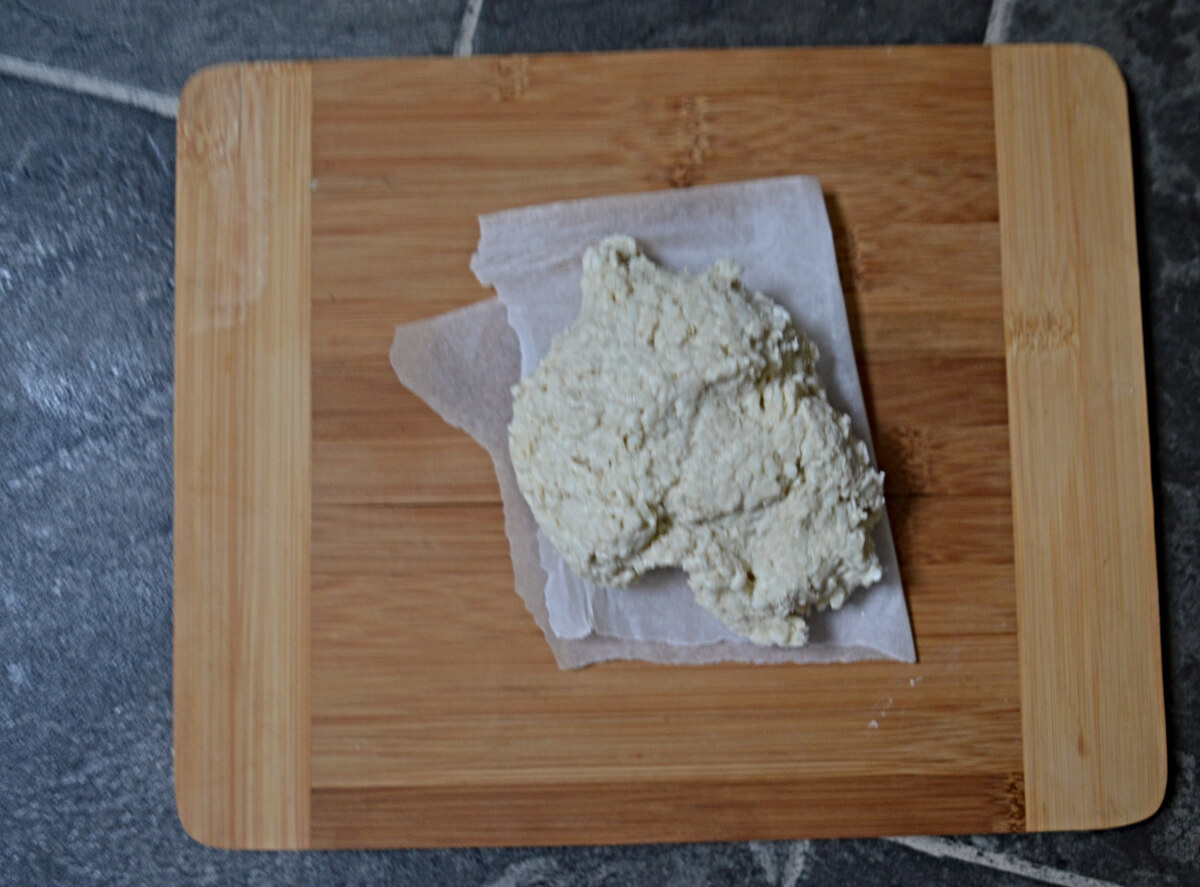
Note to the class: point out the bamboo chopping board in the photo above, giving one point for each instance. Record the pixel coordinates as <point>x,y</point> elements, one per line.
<point>352,666</point>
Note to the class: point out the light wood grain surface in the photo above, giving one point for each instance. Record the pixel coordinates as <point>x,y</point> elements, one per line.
<point>1087,586</point>
<point>242,457</point>
<point>432,689</point>
<point>436,714</point>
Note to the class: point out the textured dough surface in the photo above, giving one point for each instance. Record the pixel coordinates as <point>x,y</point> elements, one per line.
<point>679,421</point>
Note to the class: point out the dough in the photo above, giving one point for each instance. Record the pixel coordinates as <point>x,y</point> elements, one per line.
<point>679,421</point>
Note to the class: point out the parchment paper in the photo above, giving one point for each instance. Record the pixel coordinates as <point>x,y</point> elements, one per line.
<point>464,364</point>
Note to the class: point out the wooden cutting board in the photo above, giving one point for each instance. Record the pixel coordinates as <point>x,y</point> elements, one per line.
<point>352,666</point>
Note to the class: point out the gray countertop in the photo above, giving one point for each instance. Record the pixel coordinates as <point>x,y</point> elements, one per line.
<point>87,149</point>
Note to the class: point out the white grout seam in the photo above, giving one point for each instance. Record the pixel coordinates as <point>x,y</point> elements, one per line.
<point>85,84</point>
<point>465,44</point>
<point>998,21</point>
<point>943,848</point>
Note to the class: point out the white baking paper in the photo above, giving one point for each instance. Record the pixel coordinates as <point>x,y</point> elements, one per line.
<point>464,364</point>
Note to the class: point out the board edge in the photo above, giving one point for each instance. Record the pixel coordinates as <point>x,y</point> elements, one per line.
<point>1072,308</point>
<point>242,768</point>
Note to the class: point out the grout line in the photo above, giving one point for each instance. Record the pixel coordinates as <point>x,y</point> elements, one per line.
<point>465,44</point>
<point>943,848</point>
<point>998,20</point>
<point>85,84</point>
<point>158,155</point>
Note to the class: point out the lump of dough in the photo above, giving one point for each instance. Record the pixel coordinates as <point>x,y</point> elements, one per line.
<point>679,421</point>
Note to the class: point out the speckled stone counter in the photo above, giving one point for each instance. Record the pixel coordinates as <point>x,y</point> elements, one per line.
<point>87,149</point>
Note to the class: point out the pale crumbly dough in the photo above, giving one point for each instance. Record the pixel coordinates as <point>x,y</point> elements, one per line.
<point>679,421</point>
